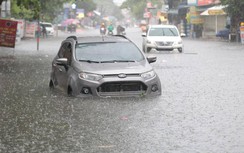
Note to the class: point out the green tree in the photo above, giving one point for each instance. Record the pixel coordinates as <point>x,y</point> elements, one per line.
<point>87,5</point>
<point>108,8</point>
<point>27,9</point>
<point>45,9</point>
<point>51,8</point>
<point>234,9</point>
<point>33,9</point>
<point>137,8</point>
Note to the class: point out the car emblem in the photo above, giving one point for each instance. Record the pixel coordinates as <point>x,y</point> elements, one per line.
<point>122,75</point>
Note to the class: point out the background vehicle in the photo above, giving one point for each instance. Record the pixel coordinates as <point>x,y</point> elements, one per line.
<point>162,37</point>
<point>110,33</point>
<point>49,28</point>
<point>224,34</point>
<point>102,31</point>
<point>120,30</point>
<point>104,66</point>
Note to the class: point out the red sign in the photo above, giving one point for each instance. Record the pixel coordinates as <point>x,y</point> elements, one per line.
<point>8,29</point>
<point>149,5</point>
<point>207,2</point>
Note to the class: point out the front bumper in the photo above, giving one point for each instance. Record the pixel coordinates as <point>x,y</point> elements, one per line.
<point>164,46</point>
<point>119,87</point>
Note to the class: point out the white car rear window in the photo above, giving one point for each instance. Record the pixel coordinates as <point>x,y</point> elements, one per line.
<point>163,32</point>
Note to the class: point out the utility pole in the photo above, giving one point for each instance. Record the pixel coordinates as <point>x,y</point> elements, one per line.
<point>38,28</point>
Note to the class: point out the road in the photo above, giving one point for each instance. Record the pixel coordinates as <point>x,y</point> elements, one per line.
<point>200,109</point>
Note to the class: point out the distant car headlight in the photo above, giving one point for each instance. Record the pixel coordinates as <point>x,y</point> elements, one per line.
<point>148,75</point>
<point>178,42</point>
<point>90,76</point>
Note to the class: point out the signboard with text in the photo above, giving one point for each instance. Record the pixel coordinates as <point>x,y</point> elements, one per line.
<point>207,2</point>
<point>192,2</point>
<point>242,33</point>
<point>8,29</point>
<point>194,16</point>
<point>30,29</point>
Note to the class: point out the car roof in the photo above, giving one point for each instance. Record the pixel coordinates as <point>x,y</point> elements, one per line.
<point>99,39</point>
<point>162,26</point>
<point>45,23</point>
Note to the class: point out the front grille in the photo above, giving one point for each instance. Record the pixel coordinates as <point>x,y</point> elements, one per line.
<point>116,75</point>
<point>120,87</point>
<point>162,43</point>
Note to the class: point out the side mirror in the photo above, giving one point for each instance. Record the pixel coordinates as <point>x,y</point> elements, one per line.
<point>62,61</point>
<point>144,34</point>
<point>152,59</point>
<point>183,35</point>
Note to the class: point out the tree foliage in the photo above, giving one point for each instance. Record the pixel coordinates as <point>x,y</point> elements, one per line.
<point>46,10</point>
<point>137,8</point>
<point>27,9</point>
<point>108,8</point>
<point>234,9</point>
<point>51,8</point>
<point>1,2</point>
<point>87,5</point>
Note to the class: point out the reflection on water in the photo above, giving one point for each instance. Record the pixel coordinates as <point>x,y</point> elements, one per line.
<point>35,119</point>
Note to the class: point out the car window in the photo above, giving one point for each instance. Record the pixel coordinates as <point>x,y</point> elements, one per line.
<point>61,51</point>
<point>108,51</point>
<point>163,32</point>
<point>65,51</point>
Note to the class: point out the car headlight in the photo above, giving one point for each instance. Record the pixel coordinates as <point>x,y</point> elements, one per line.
<point>148,75</point>
<point>177,42</point>
<point>90,76</point>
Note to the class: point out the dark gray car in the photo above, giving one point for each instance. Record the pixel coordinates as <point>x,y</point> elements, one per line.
<point>104,66</point>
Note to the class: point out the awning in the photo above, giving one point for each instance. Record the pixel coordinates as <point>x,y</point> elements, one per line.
<point>215,10</point>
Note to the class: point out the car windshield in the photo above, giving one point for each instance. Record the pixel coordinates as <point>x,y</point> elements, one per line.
<point>163,32</point>
<point>108,52</point>
<point>47,25</point>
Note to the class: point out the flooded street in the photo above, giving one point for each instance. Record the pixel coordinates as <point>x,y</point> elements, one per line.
<point>200,109</point>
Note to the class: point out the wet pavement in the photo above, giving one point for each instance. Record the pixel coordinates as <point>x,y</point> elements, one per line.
<point>200,109</point>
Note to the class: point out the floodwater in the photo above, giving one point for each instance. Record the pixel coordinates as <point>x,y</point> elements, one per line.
<point>200,109</point>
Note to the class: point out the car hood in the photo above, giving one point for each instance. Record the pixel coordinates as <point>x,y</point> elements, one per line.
<point>113,68</point>
<point>162,38</point>
<point>49,28</point>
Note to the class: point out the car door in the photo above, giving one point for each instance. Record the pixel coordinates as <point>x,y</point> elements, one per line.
<point>61,71</point>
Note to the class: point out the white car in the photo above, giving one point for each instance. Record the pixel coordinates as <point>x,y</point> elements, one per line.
<point>49,28</point>
<point>162,37</point>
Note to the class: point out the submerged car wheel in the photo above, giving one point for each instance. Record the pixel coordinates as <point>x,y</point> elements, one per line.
<point>180,50</point>
<point>51,84</point>
<point>70,91</point>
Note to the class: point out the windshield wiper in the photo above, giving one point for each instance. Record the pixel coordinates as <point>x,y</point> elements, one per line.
<point>117,61</point>
<point>172,32</point>
<point>89,61</point>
